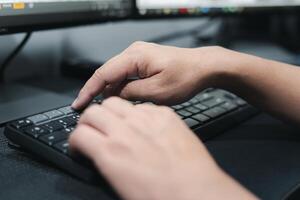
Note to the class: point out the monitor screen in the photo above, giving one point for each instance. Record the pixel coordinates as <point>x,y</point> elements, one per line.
<point>206,7</point>
<point>16,15</point>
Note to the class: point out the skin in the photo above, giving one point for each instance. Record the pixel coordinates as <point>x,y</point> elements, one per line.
<point>146,151</point>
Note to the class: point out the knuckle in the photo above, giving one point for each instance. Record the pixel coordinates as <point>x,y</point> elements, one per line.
<point>90,111</point>
<point>134,55</point>
<point>98,73</point>
<point>75,137</point>
<point>111,101</point>
<point>138,44</point>
<point>166,111</point>
<point>145,106</point>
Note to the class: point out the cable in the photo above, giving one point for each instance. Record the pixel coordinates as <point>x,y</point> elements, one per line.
<point>12,55</point>
<point>184,33</point>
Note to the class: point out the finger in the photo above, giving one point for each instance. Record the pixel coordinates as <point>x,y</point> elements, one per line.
<point>116,70</point>
<point>134,118</point>
<point>119,106</point>
<point>87,141</point>
<point>103,120</point>
<point>148,89</point>
<point>110,90</point>
<point>146,107</point>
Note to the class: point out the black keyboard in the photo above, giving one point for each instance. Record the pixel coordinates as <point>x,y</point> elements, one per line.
<point>46,134</point>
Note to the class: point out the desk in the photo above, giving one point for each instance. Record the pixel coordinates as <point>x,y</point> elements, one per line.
<point>263,154</point>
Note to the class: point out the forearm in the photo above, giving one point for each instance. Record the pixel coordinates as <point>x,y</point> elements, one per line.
<point>269,85</point>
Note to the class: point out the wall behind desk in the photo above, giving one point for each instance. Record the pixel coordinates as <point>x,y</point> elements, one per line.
<point>46,49</point>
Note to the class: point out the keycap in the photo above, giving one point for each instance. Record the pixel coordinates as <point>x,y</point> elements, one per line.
<point>36,131</point>
<point>193,101</point>
<point>53,114</point>
<point>241,102</point>
<point>201,106</point>
<point>230,96</point>
<point>229,106</point>
<point>177,107</point>
<point>38,118</point>
<point>204,97</point>
<point>22,123</point>
<point>67,121</point>
<point>186,104</point>
<point>193,110</point>
<point>191,122</point>
<point>76,117</point>
<point>201,118</point>
<point>213,102</point>
<point>214,112</point>
<point>184,113</point>
<point>62,146</point>
<point>70,129</point>
<point>52,138</point>
<point>53,126</point>
<point>67,110</point>
<point>96,101</point>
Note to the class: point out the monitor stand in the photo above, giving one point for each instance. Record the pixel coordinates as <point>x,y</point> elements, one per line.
<point>281,29</point>
<point>18,101</point>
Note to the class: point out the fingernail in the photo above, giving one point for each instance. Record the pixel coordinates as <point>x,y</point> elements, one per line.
<point>74,104</point>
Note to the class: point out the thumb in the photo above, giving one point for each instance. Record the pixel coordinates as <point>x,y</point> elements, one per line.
<point>140,90</point>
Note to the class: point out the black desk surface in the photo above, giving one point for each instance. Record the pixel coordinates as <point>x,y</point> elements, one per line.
<point>263,154</point>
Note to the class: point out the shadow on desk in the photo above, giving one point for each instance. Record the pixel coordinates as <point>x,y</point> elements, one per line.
<point>263,154</point>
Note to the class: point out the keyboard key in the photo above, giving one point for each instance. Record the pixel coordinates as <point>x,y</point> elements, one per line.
<point>201,118</point>
<point>62,146</point>
<point>68,121</point>
<point>191,122</point>
<point>214,112</point>
<point>241,102</point>
<point>184,113</point>
<point>204,97</point>
<point>70,129</point>
<point>201,106</point>
<point>177,107</point>
<point>38,118</point>
<point>52,138</point>
<point>96,101</point>
<point>22,123</point>
<point>67,110</point>
<point>53,126</point>
<point>229,106</point>
<point>193,101</point>
<point>186,104</point>
<point>213,102</point>
<point>76,117</point>
<point>230,96</point>
<point>193,110</point>
<point>36,131</point>
<point>53,114</point>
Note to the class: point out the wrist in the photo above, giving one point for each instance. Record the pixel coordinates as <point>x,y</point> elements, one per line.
<point>223,68</point>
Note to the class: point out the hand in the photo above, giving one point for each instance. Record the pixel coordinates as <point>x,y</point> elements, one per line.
<point>166,75</point>
<point>147,152</point>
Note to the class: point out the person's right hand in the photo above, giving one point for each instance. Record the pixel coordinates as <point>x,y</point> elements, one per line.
<point>147,152</point>
<point>165,75</point>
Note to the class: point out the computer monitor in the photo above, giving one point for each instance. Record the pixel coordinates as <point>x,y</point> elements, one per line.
<point>24,15</point>
<point>175,8</point>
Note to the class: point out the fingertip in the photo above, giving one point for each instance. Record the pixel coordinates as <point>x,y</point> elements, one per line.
<point>81,102</point>
<point>75,104</point>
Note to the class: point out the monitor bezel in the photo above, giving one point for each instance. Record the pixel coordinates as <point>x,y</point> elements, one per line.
<point>257,11</point>
<point>38,22</point>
